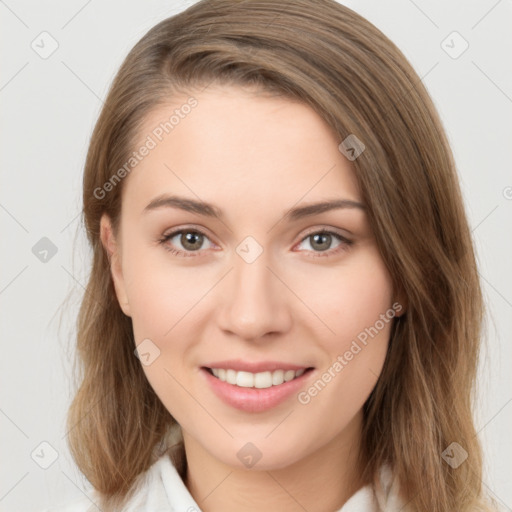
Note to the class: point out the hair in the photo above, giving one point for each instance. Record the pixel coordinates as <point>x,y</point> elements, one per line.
<point>328,57</point>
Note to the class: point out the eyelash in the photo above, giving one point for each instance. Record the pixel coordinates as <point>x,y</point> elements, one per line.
<point>345,243</point>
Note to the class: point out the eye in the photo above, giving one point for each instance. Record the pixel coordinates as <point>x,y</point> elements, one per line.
<point>190,239</point>
<point>321,242</point>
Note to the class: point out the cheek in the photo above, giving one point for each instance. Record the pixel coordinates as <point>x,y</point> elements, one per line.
<point>356,306</point>
<point>162,296</point>
<point>160,293</point>
<point>367,296</point>
<point>349,299</point>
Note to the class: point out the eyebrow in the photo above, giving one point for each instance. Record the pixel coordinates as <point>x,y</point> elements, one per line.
<point>210,210</point>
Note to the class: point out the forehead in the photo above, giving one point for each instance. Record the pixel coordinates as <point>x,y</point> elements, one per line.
<point>227,145</point>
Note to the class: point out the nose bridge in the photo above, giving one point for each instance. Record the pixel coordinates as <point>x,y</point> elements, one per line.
<point>254,304</point>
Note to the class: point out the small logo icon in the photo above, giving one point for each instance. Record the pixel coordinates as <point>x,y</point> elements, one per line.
<point>351,147</point>
<point>147,352</point>
<point>454,455</point>
<point>44,455</point>
<point>249,249</point>
<point>249,455</point>
<point>44,250</point>
<point>454,45</point>
<point>44,45</point>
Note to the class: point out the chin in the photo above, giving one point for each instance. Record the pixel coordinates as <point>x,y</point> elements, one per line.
<point>261,455</point>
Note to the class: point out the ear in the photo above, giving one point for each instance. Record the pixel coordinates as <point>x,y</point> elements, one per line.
<point>111,246</point>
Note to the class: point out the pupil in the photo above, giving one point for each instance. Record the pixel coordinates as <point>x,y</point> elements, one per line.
<point>189,239</point>
<point>322,237</point>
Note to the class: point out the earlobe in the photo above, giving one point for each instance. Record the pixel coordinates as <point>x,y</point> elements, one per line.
<point>111,247</point>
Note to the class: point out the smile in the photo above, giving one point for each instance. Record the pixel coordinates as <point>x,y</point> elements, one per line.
<point>260,380</point>
<point>257,391</point>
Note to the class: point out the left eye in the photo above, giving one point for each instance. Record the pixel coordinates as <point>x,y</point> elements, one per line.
<point>322,241</point>
<point>192,240</point>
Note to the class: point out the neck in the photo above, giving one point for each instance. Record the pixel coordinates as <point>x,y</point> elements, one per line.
<point>320,482</point>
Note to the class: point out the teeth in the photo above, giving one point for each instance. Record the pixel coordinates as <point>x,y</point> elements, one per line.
<point>289,375</point>
<point>277,377</point>
<point>244,379</point>
<point>231,376</point>
<point>256,380</point>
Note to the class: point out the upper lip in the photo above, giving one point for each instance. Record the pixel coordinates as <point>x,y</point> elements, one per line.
<point>254,366</point>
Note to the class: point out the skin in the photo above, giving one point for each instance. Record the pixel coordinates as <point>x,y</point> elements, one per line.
<point>254,157</point>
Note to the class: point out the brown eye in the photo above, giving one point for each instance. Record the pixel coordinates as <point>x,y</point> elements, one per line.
<point>191,240</point>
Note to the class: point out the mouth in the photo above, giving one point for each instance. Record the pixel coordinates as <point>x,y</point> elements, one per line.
<point>257,391</point>
<point>259,380</point>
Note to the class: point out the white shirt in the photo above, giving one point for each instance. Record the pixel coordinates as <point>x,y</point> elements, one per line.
<point>165,491</point>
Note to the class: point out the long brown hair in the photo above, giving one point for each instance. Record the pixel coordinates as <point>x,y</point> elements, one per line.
<point>327,56</point>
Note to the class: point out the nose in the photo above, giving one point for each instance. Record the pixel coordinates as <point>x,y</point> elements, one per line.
<point>255,302</point>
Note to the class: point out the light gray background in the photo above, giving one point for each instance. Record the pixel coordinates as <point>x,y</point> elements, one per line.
<point>49,110</point>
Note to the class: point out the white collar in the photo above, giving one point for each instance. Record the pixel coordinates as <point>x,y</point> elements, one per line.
<point>164,490</point>
<point>161,489</point>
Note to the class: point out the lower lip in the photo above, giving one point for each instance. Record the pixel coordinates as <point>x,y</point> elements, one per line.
<point>254,399</point>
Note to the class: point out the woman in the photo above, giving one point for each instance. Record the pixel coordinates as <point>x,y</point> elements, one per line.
<point>283,311</point>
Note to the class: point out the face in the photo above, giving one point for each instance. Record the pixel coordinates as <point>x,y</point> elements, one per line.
<point>260,320</point>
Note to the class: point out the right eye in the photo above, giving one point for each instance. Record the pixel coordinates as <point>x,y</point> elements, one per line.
<point>191,241</point>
